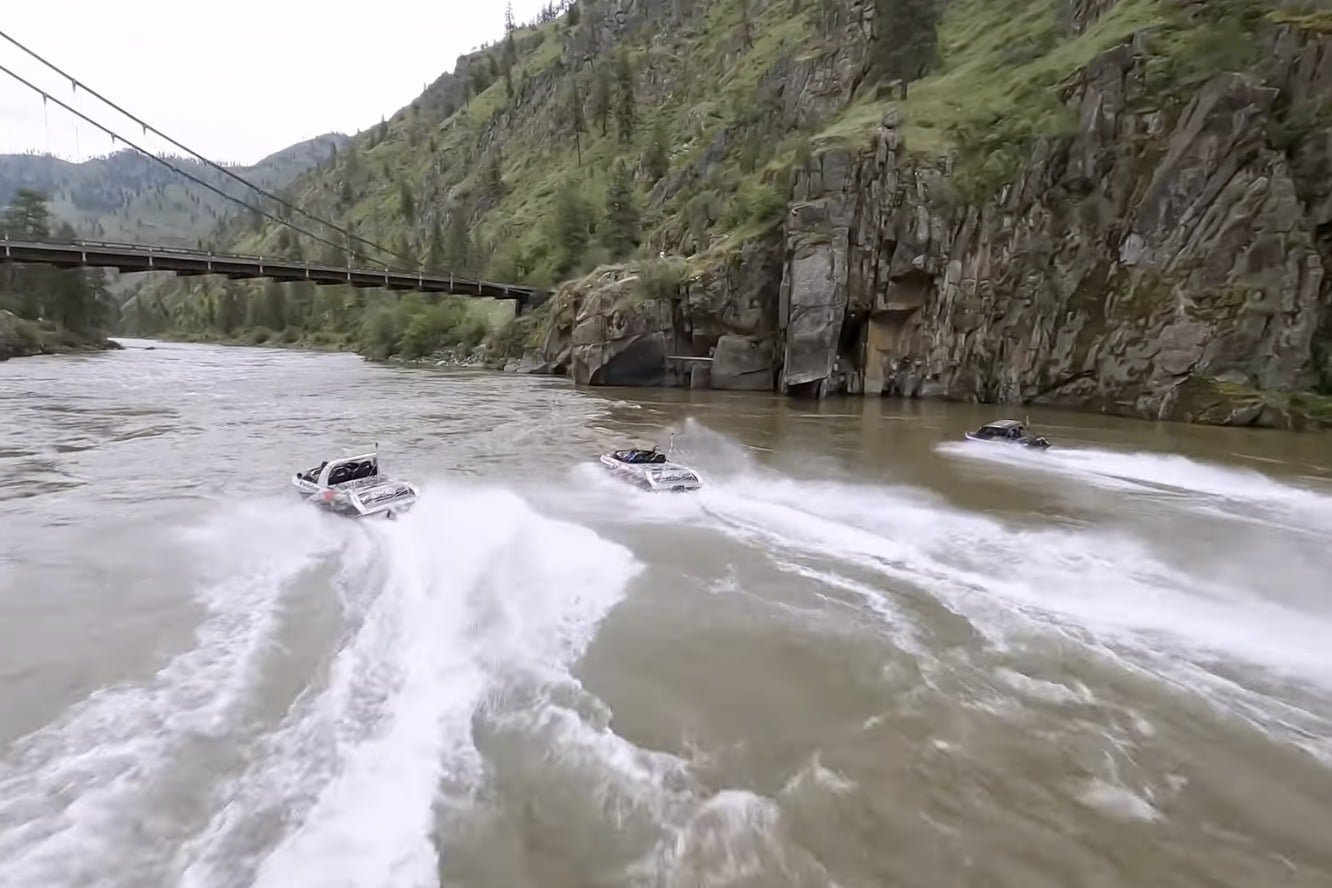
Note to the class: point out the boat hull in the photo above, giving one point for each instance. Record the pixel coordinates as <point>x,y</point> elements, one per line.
<point>653,477</point>
<point>360,499</point>
<point>1032,445</point>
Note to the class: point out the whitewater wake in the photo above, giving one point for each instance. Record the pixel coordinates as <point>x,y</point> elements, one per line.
<point>442,700</point>
<point>1178,480</point>
<point>438,611</point>
<point>1245,633</point>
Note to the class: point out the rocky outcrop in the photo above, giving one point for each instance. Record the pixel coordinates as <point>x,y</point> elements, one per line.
<point>1123,262</point>
<point>620,333</point>
<point>742,364</point>
<point>1163,260</point>
<point>630,325</point>
<point>20,338</point>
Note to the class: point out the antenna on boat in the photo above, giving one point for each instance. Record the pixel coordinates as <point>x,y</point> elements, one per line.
<point>670,447</point>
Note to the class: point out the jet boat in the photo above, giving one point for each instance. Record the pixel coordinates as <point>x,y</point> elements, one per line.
<point>353,487</point>
<point>650,470</point>
<point>1008,431</point>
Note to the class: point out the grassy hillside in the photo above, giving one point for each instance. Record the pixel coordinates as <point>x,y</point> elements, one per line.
<point>603,134</point>
<point>571,142</point>
<point>129,197</point>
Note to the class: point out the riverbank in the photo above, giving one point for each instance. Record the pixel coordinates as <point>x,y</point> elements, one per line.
<point>1212,402</point>
<point>21,338</point>
<point>481,356</point>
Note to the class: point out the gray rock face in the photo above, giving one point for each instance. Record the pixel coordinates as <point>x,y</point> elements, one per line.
<point>1122,262</point>
<point>611,329</point>
<point>1153,263</point>
<point>741,364</point>
<point>619,338</point>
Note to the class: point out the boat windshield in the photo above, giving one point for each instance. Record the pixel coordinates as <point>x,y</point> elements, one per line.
<point>676,474</point>
<point>640,456</point>
<point>353,470</point>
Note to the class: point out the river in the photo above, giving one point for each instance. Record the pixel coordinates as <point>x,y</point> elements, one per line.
<point>868,653</point>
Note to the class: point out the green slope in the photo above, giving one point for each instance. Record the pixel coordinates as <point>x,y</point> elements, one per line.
<point>607,134</point>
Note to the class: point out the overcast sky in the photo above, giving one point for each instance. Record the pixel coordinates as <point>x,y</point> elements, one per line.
<point>235,81</point>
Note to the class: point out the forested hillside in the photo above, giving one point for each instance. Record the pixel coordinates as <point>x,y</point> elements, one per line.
<point>126,196</point>
<point>1117,204</point>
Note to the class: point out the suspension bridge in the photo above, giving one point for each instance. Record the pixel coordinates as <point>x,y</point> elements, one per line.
<point>131,258</point>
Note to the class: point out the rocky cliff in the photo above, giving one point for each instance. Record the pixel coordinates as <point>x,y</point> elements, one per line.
<point>1159,252</point>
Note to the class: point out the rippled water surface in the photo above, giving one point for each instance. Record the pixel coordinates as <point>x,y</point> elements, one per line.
<point>868,653</point>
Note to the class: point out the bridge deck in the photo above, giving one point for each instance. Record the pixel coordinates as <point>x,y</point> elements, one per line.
<point>140,257</point>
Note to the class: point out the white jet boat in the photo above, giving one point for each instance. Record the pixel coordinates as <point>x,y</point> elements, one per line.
<point>353,487</point>
<point>650,470</point>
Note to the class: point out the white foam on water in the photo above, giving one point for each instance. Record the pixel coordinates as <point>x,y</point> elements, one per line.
<point>611,800</point>
<point>469,588</point>
<point>1196,484</point>
<point>76,796</point>
<point>1116,801</point>
<point>1100,588</point>
<point>1046,691</point>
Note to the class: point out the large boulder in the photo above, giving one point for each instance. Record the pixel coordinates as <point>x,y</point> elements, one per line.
<point>620,332</point>
<point>742,364</point>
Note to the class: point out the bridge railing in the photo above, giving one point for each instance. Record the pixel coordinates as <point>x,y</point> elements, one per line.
<point>193,253</point>
<point>168,250</point>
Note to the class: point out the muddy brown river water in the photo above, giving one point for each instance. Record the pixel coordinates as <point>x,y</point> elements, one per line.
<point>868,653</point>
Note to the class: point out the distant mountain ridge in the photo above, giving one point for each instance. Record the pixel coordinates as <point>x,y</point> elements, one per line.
<point>127,196</point>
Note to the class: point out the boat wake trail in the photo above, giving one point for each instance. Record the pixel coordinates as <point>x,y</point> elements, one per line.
<point>1237,643</point>
<point>471,588</point>
<point>66,791</point>
<point>1201,486</point>
<point>471,594</point>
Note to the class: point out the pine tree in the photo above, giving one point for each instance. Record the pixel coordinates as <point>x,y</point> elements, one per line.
<point>66,294</point>
<point>510,49</point>
<point>458,243</point>
<point>435,253</point>
<point>625,109</point>
<point>576,118</point>
<point>230,312</point>
<point>27,216</point>
<point>573,218</point>
<point>405,202</point>
<point>273,314</point>
<point>657,156</point>
<point>601,98</point>
<point>623,223</point>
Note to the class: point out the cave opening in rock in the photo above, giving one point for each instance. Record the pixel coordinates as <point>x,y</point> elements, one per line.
<point>851,342</point>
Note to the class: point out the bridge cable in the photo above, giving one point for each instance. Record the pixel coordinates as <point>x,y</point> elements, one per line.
<point>149,128</point>
<point>117,137</point>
